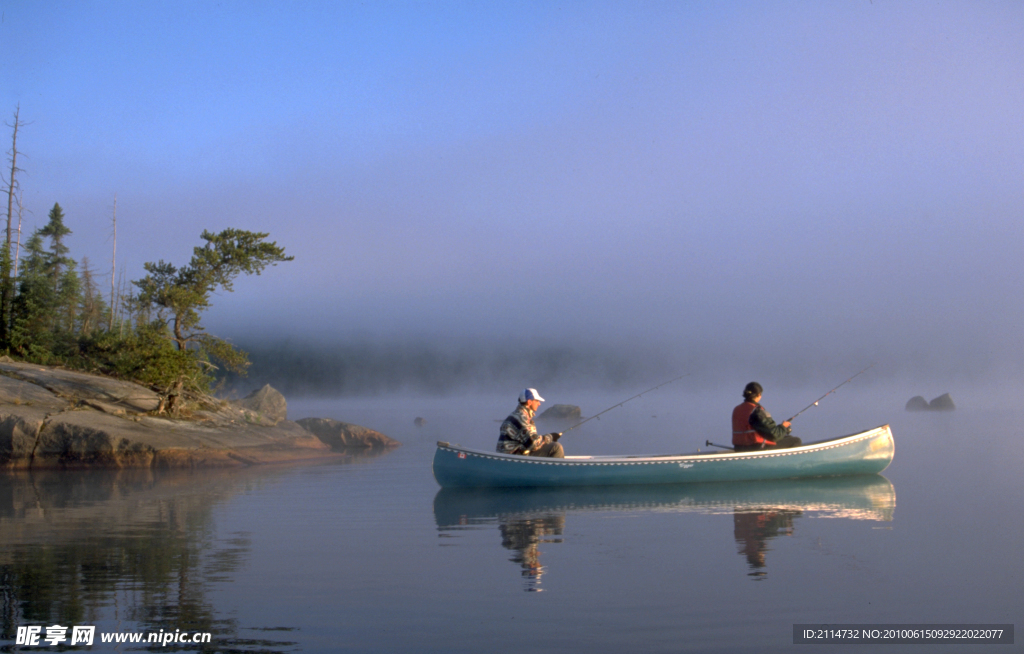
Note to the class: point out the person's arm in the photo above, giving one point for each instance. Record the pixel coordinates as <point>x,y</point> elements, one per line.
<point>761,421</point>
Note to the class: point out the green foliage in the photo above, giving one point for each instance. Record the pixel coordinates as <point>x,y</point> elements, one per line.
<point>144,355</point>
<point>6,292</point>
<point>46,309</point>
<point>61,271</point>
<point>56,230</point>
<point>57,314</point>
<point>179,295</point>
<point>35,306</point>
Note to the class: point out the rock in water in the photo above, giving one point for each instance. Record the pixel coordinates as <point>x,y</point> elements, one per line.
<point>561,412</point>
<point>342,436</point>
<point>419,422</point>
<point>917,403</point>
<point>942,403</point>
<point>268,403</point>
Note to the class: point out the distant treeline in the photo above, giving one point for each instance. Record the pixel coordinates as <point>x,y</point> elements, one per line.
<point>362,368</point>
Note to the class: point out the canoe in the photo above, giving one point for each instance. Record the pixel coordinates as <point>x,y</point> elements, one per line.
<point>865,453</point>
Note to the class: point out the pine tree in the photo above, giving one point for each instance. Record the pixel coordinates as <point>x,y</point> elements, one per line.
<point>178,295</point>
<point>33,311</point>
<point>62,273</point>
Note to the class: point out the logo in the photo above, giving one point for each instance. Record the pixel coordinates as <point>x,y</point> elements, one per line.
<point>462,455</point>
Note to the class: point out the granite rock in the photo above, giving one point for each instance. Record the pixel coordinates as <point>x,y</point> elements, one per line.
<point>943,402</point>
<point>53,418</point>
<point>268,405</point>
<point>561,412</point>
<point>342,436</point>
<point>917,403</point>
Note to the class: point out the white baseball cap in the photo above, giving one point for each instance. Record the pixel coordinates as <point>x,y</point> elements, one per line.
<point>530,394</point>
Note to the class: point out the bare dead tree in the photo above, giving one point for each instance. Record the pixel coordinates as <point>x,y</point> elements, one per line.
<point>17,248</point>
<point>113,265</point>
<point>6,282</point>
<point>12,183</point>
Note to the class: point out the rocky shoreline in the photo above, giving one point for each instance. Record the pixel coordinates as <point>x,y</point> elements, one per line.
<point>53,418</point>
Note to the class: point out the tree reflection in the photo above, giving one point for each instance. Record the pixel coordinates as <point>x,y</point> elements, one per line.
<point>130,550</point>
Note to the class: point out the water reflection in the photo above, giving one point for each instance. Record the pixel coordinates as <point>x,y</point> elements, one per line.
<point>753,531</point>
<point>130,550</point>
<point>523,536</point>
<point>762,511</point>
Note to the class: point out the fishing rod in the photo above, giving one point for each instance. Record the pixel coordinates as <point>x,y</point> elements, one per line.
<point>624,401</point>
<point>815,403</point>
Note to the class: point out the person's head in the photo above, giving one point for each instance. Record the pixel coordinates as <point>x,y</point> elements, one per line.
<point>531,398</point>
<point>752,392</point>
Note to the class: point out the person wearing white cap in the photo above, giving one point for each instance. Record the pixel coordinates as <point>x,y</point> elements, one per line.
<point>518,435</point>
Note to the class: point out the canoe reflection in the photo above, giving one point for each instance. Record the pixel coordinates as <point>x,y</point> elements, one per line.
<point>761,510</point>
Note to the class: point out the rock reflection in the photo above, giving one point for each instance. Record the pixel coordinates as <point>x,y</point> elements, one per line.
<point>762,511</point>
<point>128,550</point>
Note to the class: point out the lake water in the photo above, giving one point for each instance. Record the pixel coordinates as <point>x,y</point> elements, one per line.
<point>368,555</point>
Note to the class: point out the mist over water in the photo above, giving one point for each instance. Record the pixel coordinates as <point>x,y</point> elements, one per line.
<point>446,366</point>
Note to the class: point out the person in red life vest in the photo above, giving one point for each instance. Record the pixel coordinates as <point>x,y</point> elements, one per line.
<point>753,427</point>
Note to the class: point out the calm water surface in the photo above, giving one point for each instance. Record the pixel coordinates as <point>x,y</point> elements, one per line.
<point>369,555</point>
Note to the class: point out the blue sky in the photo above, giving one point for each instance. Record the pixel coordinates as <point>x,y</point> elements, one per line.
<point>747,179</point>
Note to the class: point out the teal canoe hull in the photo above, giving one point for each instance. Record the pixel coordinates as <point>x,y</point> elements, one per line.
<point>864,453</point>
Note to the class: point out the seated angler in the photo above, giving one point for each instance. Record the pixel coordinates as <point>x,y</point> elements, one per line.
<point>518,435</point>
<point>753,427</point>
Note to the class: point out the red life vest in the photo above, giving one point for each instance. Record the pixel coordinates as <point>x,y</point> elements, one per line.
<point>743,435</point>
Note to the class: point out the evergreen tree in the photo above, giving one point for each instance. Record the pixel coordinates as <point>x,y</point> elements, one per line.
<point>33,311</point>
<point>179,295</point>
<point>62,272</point>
